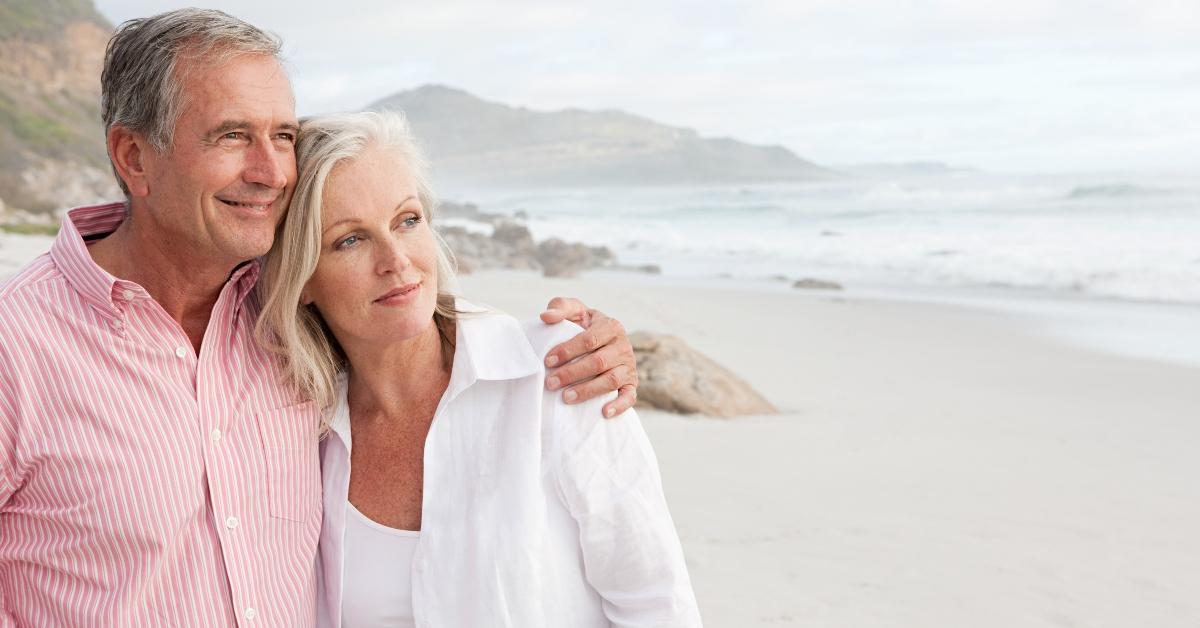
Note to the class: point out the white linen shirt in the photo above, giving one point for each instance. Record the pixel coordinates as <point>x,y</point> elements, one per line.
<point>535,513</point>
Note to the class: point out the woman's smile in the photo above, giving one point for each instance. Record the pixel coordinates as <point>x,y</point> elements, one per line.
<point>401,295</point>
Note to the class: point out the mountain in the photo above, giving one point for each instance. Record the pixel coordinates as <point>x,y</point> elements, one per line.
<point>471,140</point>
<point>53,156</point>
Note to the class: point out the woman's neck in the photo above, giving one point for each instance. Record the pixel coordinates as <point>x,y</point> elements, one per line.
<point>400,381</point>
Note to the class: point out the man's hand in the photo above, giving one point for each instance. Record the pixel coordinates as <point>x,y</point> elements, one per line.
<point>598,360</point>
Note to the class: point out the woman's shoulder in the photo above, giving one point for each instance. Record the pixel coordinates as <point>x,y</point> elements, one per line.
<point>542,337</point>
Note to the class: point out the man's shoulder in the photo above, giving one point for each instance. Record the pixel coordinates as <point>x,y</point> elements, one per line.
<point>26,281</point>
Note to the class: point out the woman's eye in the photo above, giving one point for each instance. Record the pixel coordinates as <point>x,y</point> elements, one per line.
<point>411,221</point>
<point>347,242</point>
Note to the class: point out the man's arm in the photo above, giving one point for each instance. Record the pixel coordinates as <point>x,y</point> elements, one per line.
<point>597,361</point>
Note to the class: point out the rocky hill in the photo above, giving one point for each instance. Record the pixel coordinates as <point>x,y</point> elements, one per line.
<point>53,156</point>
<point>475,141</point>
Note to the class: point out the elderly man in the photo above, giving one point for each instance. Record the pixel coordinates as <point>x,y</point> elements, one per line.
<point>153,470</point>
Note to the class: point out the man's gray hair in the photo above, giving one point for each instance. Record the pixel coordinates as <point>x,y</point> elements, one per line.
<point>141,87</point>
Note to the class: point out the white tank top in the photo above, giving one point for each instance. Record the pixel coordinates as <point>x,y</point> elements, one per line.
<point>377,585</point>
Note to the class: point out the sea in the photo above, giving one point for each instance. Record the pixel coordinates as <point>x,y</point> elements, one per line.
<point>1108,261</point>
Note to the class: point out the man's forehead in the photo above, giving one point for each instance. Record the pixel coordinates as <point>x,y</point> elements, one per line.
<point>253,88</point>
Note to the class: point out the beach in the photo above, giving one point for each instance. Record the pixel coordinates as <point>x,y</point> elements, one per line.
<point>932,465</point>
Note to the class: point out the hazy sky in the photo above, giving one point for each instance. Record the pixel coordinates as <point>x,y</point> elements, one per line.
<point>1005,85</point>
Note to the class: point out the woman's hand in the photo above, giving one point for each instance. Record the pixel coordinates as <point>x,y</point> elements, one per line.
<point>597,360</point>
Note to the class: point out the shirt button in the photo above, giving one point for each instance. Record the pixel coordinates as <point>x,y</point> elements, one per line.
<point>181,352</point>
<point>215,435</point>
<point>250,613</point>
<point>231,523</point>
<point>127,295</point>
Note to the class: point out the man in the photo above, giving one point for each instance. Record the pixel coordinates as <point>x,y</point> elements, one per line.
<point>153,469</point>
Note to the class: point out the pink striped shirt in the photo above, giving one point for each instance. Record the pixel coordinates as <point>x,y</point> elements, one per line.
<point>141,484</point>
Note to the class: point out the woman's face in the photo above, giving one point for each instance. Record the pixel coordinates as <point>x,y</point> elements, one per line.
<point>376,279</point>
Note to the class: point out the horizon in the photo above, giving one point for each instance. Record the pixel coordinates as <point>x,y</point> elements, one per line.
<point>1068,88</point>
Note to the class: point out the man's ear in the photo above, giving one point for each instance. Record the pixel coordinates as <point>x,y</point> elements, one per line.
<point>129,152</point>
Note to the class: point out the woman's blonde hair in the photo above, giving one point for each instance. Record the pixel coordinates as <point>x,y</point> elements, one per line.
<point>310,356</point>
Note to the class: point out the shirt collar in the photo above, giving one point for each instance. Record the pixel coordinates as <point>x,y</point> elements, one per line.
<point>488,346</point>
<point>491,346</point>
<point>96,285</point>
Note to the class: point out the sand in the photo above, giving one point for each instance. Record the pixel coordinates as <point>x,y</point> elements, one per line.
<point>933,465</point>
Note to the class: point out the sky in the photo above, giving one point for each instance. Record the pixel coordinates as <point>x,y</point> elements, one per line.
<point>1020,86</point>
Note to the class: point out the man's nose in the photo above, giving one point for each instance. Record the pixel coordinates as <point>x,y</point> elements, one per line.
<point>269,165</point>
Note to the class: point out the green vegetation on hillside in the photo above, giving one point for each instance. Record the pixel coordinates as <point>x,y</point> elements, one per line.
<point>30,229</point>
<point>40,19</point>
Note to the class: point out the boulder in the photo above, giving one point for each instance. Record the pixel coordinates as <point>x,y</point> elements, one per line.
<point>676,378</point>
<point>567,259</point>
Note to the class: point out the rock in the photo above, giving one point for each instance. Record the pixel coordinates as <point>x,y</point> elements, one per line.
<point>511,246</point>
<point>676,378</point>
<point>469,211</point>
<point>567,259</point>
<point>816,284</point>
<point>514,235</point>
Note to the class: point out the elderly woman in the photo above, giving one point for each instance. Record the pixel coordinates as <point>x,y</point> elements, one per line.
<point>458,491</point>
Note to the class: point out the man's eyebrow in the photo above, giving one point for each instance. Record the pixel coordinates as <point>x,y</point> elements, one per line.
<point>233,125</point>
<point>227,126</point>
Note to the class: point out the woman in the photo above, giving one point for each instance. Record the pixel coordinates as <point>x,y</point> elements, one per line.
<point>470,497</point>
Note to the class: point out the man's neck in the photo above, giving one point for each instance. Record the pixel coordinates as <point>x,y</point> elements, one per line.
<point>185,287</point>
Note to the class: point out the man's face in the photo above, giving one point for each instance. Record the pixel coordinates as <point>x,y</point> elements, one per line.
<point>217,193</point>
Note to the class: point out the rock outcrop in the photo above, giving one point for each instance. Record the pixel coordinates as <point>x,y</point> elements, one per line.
<point>511,246</point>
<point>676,378</point>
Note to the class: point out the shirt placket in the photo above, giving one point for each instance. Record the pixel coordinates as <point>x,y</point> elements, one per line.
<point>216,395</point>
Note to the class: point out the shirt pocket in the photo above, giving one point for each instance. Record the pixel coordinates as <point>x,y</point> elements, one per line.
<point>290,444</point>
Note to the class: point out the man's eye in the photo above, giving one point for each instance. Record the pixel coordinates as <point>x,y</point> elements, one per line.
<point>233,135</point>
<point>287,137</point>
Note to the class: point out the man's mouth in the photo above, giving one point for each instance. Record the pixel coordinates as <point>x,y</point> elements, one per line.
<point>252,206</point>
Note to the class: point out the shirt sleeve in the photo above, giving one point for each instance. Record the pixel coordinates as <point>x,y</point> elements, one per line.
<point>8,436</point>
<point>608,479</point>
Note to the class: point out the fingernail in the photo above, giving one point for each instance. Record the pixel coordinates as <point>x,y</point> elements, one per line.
<point>570,395</point>
<point>551,360</point>
<point>552,383</point>
<point>609,412</point>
